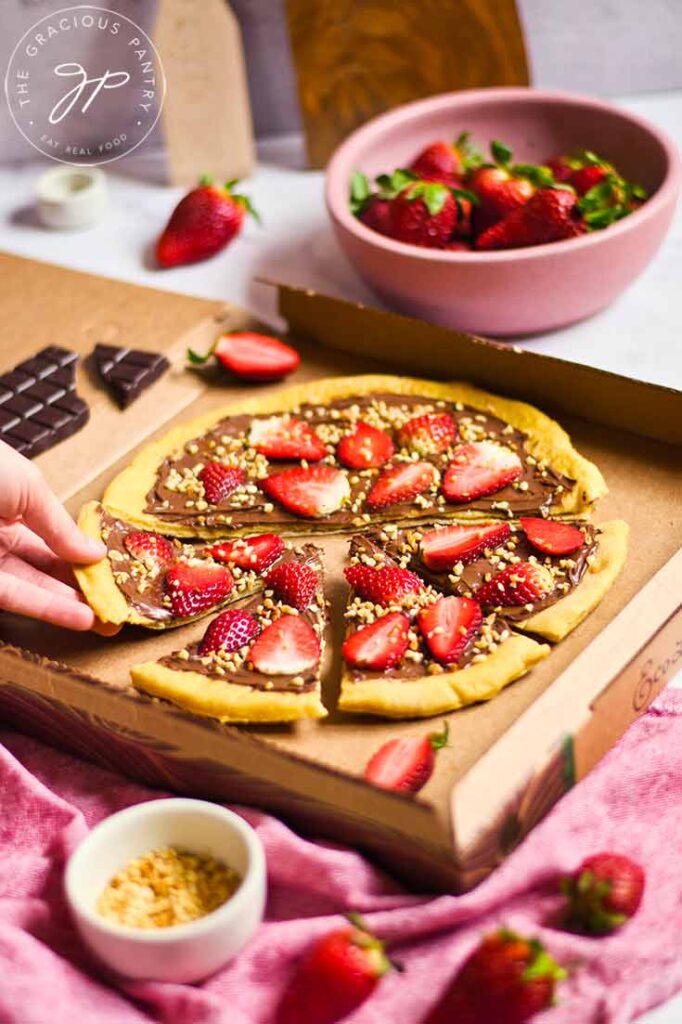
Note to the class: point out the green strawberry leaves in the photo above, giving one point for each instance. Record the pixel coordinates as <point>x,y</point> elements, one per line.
<point>610,200</point>
<point>500,153</point>
<point>438,740</point>
<point>360,192</point>
<point>543,965</point>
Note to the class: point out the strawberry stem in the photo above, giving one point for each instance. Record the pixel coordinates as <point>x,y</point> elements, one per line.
<point>440,739</point>
<point>206,179</point>
<point>198,360</point>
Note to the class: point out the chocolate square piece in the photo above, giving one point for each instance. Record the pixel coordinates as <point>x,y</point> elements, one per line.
<point>128,372</point>
<point>38,403</point>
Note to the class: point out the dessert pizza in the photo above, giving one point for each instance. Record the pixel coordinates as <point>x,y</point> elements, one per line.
<point>411,650</point>
<point>159,582</point>
<point>471,545</point>
<point>345,454</point>
<point>260,660</point>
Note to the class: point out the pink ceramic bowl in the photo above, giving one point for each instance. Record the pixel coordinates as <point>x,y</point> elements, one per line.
<point>521,291</point>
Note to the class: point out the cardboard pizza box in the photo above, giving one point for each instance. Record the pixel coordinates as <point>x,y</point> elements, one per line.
<point>509,760</point>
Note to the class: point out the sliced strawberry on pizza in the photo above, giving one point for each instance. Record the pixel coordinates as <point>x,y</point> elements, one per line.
<point>159,582</point>
<point>540,575</point>
<point>411,651</point>
<point>259,660</point>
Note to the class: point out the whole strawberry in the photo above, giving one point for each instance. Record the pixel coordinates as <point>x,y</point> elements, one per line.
<point>447,161</point>
<point>370,207</point>
<point>336,975</point>
<point>604,893</point>
<point>551,215</point>
<point>502,186</point>
<point>429,213</point>
<point>506,980</point>
<point>202,223</point>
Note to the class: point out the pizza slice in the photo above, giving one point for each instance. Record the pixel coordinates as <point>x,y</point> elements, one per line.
<point>160,582</point>
<point>540,575</point>
<point>411,651</point>
<point>259,660</point>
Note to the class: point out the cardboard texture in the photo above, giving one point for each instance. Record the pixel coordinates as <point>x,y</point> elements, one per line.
<point>206,117</point>
<point>538,735</point>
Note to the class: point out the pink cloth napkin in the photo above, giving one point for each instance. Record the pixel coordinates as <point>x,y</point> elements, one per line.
<point>630,803</point>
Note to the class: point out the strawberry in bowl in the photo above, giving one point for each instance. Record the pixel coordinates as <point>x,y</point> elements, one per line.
<point>559,215</point>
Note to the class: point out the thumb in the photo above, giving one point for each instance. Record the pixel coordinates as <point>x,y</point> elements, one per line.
<point>46,516</point>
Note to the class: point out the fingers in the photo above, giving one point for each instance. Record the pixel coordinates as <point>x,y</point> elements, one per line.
<point>24,597</point>
<point>14,566</point>
<point>20,541</point>
<point>43,512</point>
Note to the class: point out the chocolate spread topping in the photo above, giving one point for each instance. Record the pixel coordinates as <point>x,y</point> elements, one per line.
<point>568,570</point>
<point>313,615</point>
<point>408,669</point>
<point>533,492</point>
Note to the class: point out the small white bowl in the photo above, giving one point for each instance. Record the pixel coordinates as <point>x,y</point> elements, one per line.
<point>183,952</point>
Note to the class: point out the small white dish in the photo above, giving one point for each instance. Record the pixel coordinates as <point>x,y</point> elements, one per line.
<point>183,952</point>
<point>72,197</point>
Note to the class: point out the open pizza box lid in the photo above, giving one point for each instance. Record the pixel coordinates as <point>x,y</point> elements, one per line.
<point>509,760</point>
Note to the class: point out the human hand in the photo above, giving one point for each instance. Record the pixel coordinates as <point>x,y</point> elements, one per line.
<point>38,540</point>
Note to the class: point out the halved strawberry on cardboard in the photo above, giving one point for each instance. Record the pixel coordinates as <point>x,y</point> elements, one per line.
<point>542,575</point>
<point>258,661</point>
<point>412,651</point>
<point>159,582</point>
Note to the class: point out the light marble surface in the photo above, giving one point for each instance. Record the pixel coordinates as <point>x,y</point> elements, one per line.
<point>640,335</point>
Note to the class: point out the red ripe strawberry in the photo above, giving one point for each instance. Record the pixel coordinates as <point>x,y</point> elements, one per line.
<point>287,647</point>
<point>231,631</point>
<point>202,224</point>
<point>459,245</point>
<point>256,553</point>
<point>380,645</point>
<point>550,537</point>
<point>193,588</point>
<point>219,481</point>
<point>377,215</point>
<point>294,583</point>
<point>405,765</point>
<point>448,625</point>
<point>384,585</point>
<point>499,193</point>
<point>313,492</point>
<point>548,217</point>
<point>251,356</point>
<point>521,583</point>
<point>428,434</point>
<point>427,213</point>
<point>401,482</point>
<point>285,437</point>
<point>150,548</point>
<point>587,177</point>
<point>479,469</point>
<point>439,161</point>
<point>366,448</point>
<point>506,980</point>
<point>562,167</point>
<point>336,975</point>
<point>604,892</point>
<point>441,549</point>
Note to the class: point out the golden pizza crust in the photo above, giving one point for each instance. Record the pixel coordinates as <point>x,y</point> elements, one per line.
<point>557,621</point>
<point>435,694</point>
<point>97,581</point>
<point>228,702</point>
<point>102,593</point>
<point>126,495</point>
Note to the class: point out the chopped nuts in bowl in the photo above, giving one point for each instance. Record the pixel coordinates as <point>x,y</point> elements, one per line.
<point>168,890</point>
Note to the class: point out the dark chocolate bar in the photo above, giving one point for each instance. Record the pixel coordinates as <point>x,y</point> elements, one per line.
<point>38,402</point>
<point>128,372</point>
